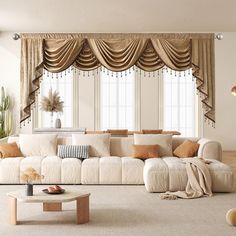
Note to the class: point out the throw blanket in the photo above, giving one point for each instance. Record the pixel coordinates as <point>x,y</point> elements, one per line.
<point>199,180</point>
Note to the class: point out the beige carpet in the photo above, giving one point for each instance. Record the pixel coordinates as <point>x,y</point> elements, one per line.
<point>123,210</point>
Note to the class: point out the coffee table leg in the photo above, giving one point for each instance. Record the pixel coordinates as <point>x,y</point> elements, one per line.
<point>52,206</point>
<point>12,210</point>
<point>82,209</point>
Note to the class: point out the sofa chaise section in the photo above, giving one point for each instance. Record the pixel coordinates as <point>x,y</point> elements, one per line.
<point>169,174</point>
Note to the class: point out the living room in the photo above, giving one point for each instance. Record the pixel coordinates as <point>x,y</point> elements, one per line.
<point>101,103</point>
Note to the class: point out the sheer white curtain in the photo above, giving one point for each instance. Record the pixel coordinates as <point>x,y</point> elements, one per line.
<point>117,100</point>
<point>180,106</point>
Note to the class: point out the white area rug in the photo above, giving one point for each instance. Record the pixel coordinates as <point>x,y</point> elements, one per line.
<point>123,210</point>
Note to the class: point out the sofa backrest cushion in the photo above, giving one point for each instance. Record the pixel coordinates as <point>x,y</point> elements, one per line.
<point>122,147</point>
<point>38,144</point>
<point>119,146</point>
<point>164,142</point>
<point>99,143</point>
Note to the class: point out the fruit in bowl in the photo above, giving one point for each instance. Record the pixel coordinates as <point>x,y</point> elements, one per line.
<point>54,189</point>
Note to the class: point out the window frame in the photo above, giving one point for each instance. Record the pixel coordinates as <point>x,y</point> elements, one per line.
<point>197,106</point>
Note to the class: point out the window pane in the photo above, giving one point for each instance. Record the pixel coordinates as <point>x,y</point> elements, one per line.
<point>64,86</point>
<point>117,100</point>
<point>179,102</point>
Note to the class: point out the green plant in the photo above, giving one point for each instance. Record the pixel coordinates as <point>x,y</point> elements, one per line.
<point>5,115</point>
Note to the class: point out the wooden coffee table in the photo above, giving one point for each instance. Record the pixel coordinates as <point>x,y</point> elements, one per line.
<point>51,202</point>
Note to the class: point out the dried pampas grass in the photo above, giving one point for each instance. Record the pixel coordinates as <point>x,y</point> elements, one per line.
<point>52,103</point>
<point>30,175</point>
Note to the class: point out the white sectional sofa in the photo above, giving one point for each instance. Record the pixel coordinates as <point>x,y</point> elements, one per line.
<point>157,174</point>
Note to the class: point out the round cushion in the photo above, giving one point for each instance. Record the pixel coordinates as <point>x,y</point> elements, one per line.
<point>231,217</point>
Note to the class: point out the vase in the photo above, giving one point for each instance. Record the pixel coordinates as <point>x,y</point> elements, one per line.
<point>51,120</point>
<point>29,189</point>
<point>58,123</point>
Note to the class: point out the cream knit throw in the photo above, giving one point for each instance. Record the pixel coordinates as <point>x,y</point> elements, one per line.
<point>199,180</point>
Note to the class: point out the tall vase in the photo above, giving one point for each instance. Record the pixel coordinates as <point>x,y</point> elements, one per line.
<point>29,189</point>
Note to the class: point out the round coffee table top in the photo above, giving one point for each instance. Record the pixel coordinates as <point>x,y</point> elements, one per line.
<point>40,196</point>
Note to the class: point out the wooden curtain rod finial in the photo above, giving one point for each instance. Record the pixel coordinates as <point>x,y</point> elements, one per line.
<point>16,36</point>
<point>233,91</point>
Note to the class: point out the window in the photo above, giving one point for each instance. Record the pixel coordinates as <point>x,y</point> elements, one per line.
<point>179,102</point>
<point>133,100</point>
<point>117,105</point>
<point>63,84</point>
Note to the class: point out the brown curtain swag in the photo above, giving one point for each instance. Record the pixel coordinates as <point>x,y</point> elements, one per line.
<point>117,52</point>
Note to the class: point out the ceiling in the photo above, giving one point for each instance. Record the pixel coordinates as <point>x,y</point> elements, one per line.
<point>118,15</point>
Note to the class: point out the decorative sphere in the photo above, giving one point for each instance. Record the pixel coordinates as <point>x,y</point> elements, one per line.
<point>16,36</point>
<point>219,36</point>
<point>231,217</point>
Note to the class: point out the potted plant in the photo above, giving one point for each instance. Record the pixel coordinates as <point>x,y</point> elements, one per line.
<point>5,115</point>
<point>53,104</point>
<point>29,176</point>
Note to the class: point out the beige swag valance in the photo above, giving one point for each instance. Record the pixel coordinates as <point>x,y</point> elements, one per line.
<point>117,52</point>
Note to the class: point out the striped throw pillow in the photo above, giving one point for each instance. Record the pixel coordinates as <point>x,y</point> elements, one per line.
<point>73,151</point>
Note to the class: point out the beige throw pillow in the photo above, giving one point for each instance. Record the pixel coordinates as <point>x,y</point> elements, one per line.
<point>99,143</point>
<point>38,144</point>
<point>163,141</point>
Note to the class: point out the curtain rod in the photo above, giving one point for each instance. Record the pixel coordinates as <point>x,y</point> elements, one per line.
<point>218,36</point>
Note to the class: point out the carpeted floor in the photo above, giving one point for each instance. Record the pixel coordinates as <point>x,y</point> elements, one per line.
<point>123,210</point>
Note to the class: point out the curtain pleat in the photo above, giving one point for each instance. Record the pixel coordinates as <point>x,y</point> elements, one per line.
<point>175,53</point>
<point>59,54</point>
<point>149,60</point>
<point>117,52</point>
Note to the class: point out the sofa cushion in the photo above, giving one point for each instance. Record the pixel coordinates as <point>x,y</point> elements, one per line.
<point>163,141</point>
<point>121,147</point>
<point>132,170</point>
<point>156,175</point>
<point>151,131</point>
<point>38,144</point>
<point>33,162</point>
<point>99,143</point>
<point>110,171</point>
<point>145,151</point>
<point>71,171</point>
<point>90,171</point>
<point>177,173</point>
<point>222,177</point>
<point>9,150</point>
<point>187,149</point>
<point>73,151</point>
<point>10,170</point>
<point>118,132</point>
<point>51,170</point>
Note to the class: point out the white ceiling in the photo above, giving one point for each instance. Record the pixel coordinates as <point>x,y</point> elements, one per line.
<point>118,15</point>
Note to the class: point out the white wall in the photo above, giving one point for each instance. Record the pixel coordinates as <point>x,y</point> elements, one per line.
<point>225,130</point>
<point>10,71</point>
<point>225,64</point>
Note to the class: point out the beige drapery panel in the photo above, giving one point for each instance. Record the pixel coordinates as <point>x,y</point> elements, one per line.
<point>117,52</point>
